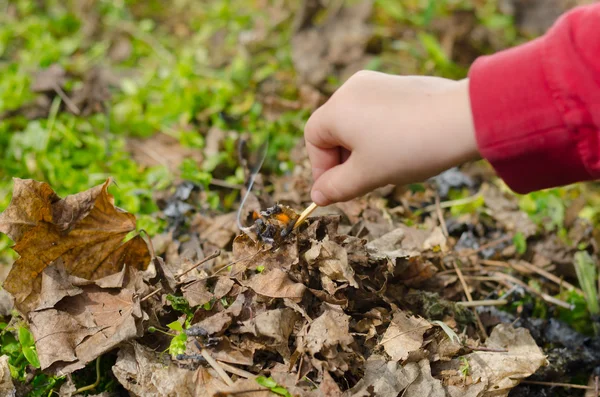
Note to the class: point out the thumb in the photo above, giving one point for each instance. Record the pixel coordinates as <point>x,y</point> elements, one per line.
<point>340,183</point>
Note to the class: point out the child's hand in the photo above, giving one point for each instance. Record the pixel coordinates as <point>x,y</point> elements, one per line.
<point>379,129</point>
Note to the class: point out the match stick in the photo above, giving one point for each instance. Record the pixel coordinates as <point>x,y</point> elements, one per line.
<point>305,214</point>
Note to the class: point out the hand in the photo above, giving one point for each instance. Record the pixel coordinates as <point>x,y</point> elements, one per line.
<point>379,129</point>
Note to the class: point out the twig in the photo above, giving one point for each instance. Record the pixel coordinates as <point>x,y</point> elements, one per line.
<point>216,366</point>
<point>211,256</point>
<point>557,384</point>
<point>542,295</point>
<point>96,383</point>
<point>151,294</point>
<point>404,333</point>
<point>486,302</point>
<point>72,107</point>
<point>537,270</point>
<point>236,371</point>
<point>440,215</point>
<point>469,298</point>
<point>486,349</point>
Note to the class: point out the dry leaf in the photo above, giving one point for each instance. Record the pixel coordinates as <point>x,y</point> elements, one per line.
<point>6,385</point>
<point>404,335</point>
<point>85,231</point>
<point>161,149</point>
<point>317,51</point>
<point>275,324</point>
<point>332,260</point>
<point>500,372</point>
<point>142,373</point>
<point>384,378</point>
<point>276,284</point>
<point>328,330</point>
<point>80,328</point>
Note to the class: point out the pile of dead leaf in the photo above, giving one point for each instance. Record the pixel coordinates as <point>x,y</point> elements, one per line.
<point>337,308</point>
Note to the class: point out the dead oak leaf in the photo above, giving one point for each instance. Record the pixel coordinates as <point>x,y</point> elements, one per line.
<point>502,371</point>
<point>275,324</point>
<point>332,261</point>
<point>276,284</point>
<point>80,328</point>
<point>404,335</point>
<point>328,330</point>
<point>84,230</point>
<point>384,378</point>
<point>141,372</point>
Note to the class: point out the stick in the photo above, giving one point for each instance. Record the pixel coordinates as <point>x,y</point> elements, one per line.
<point>557,384</point>
<point>211,256</point>
<point>487,302</point>
<point>469,298</point>
<point>151,294</point>
<point>440,215</point>
<point>542,295</point>
<point>235,370</point>
<point>537,270</point>
<point>217,367</point>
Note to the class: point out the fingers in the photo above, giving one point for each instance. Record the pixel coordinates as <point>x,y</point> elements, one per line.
<point>340,183</point>
<point>324,147</point>
<point>322,159</point>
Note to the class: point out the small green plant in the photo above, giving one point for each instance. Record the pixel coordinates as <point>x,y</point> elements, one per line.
<point>177,345</point>
<point>520,243</point>
<point>273,386</point>
<point>587,274</point>
<point>180,304</point>
<point>178,340</point>
<point>465,367</point>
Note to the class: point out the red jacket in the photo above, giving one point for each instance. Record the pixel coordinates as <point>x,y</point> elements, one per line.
<point>536,107</point>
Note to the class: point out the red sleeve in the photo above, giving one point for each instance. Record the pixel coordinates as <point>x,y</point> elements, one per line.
<point>536,107</point>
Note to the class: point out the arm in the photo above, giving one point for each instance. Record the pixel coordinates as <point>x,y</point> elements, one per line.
<point>536,107</point>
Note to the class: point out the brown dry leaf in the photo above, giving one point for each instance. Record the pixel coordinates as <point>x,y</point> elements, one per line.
<point>276,324</point>
<point>6,385</point>
<point>328,330</point>
<point>85,231</point>
<point>142,373</point>
<point>91,96</point>
<point>228,353</point>
<point>276,284</point>
<point>49,79</point>
<point>80,328</point>
<point>341,41</point>
<point>507,212</point>
<point>250,255</point>
<point>219,230</point>
<point>500,372</point>
<point>161,149</point>
<point>216,323</point>
<point>197,293</point>
<point>404,335</point>
<point>384,378</point>
<point>332,260</point>
<point>425,385</point>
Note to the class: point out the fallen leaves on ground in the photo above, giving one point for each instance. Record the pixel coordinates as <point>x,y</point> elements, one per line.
<point>84,231</point>
<point>321,306</point>
<point>80,320</point>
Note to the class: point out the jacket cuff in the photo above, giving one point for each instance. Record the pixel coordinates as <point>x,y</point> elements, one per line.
<point>519,128</point>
